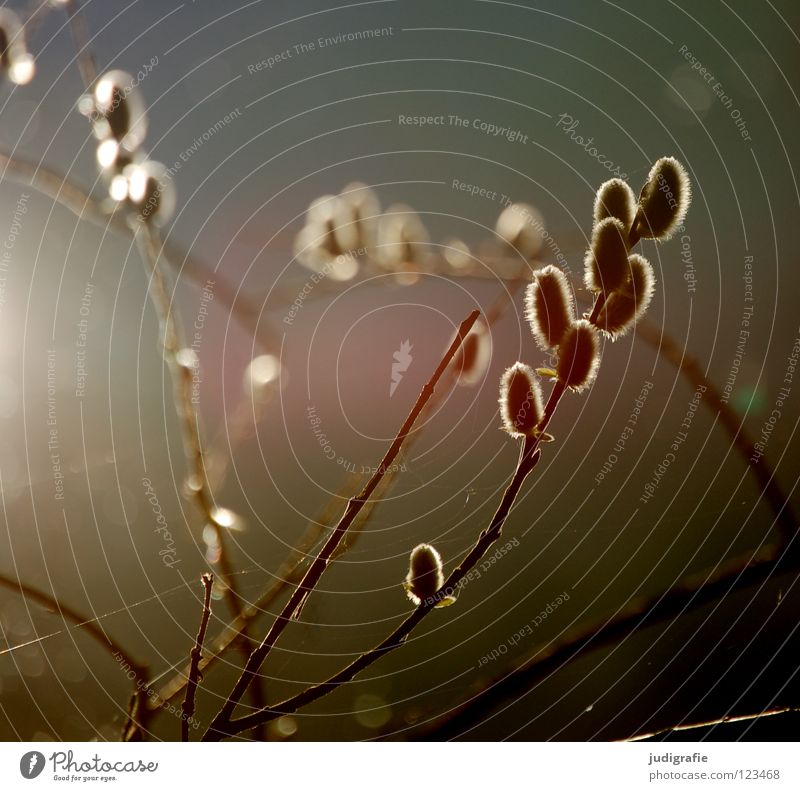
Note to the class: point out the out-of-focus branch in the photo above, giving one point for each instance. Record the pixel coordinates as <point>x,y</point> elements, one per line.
<point>83,206</point>
<point>692,593</point>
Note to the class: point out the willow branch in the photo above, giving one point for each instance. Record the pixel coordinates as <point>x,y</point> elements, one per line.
<point>726,720</point>
<point>195,676</point>
<point>320,563</point>
<point>81,42</point>
<point>198,487</point>
<point>290,573</point>
<point>529,456</point>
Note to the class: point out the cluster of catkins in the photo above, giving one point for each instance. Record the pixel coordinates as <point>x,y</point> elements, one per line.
<point>622,283</point>
<point>116,111</point>
<point>16,62</point>
<point>344,230</point>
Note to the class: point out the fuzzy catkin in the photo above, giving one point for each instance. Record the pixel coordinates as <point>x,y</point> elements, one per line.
<point>615,199</point>
<point>425,575</point>
<point>579,356</point>
<point>626,306</point>
<point>520,400</point>
<point>120,108</point>
<point>606,261</point>
<point>523,228</point>
<point>664,200</point>
<point>549,306</point>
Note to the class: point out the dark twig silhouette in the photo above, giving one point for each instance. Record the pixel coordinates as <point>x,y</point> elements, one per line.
<point>222,722</point>
<point>195,676</point>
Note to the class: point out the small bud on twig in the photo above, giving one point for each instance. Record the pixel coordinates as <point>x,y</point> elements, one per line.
<point>150,191</point>
<point>425,576</point>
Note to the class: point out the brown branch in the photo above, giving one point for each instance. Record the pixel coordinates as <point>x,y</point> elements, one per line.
<point>290,573</point>
<point>81,42</point>
<point>763,473</point>
<point>529,456</point>
<point>222,721</point>
<point>692,593</point>
<point>726,720</point>
<point>195,676</point>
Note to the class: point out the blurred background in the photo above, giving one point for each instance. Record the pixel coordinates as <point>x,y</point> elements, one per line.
<point>253,135</point>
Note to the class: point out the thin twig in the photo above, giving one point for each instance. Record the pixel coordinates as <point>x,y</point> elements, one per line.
<point>291,570</point>
<point>692,593</point>
<point>320,563</point>
<point>182,375</point>
<point>726,720</point>
<point>195,676</point>
<point>529,456</point>
<point>89,625</point>
<point>290,573</point>
<point>81,42</point>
